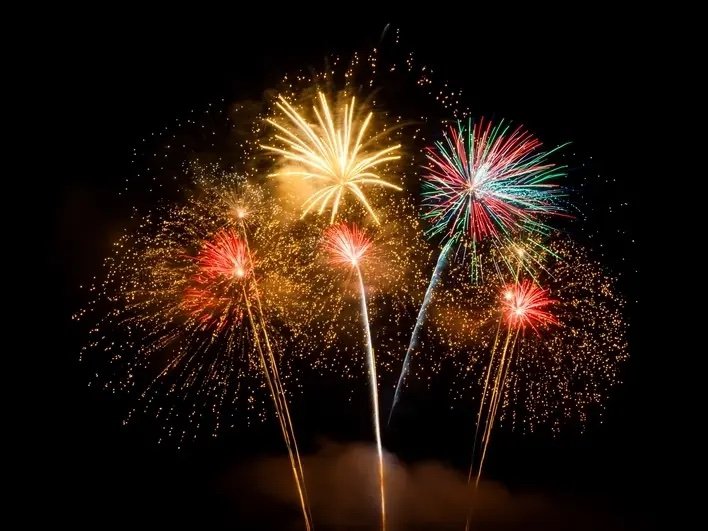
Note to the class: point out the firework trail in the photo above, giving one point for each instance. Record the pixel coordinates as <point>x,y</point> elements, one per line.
<point>227,257</point>
<point>524,304</point>
<point>439,266</point>
<point>272,376</point>
<point>347,246</point>
<point>335,157</point>
<point>485,182</point>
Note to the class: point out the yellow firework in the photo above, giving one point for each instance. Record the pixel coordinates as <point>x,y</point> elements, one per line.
<point>336,157</point>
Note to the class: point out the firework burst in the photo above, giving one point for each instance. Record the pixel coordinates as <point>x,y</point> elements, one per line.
<point>225,256</point>
<point>522,304</point>
<point>346,244</point>
<point>526,304</point>
<point>567,361</point>
<point>338,158</point>
<point>488,181</point>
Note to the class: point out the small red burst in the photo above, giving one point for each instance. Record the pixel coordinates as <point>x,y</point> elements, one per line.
<point>346,244</point>
<point>225,256</point>
<point>212,297</point>
<point>525,304</point>
<point>209,306</point>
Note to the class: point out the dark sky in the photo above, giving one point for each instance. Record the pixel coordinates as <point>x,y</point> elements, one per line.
<point>568,80</point>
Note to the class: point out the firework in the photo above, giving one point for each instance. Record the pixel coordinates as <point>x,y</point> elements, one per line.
<point>239,261</point>
<point>525,304</point>
<point>225,256</point>
<point>347,245</point>
<point>319,307</point>
<point>337,158</point>
<point>439,266</point>
<point>522,304</point>
<point>186,304</point>
<point>490,183</point>
<point>568,359</point>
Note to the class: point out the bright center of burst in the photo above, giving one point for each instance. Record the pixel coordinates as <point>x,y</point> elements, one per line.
<point>480,175</point>
<point>239,272</point>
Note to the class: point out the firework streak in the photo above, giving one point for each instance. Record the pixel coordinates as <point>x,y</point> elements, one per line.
<point>228,258</point>
<point>348,245</point>
<point>439,266</point>
<point>272,376</point>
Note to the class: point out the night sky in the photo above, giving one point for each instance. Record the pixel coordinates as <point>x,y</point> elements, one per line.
<point>564,81</point>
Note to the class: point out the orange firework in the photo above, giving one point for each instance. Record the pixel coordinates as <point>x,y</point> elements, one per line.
<point>336,156</point>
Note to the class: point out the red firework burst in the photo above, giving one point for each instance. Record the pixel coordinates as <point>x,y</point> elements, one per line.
<point>217,288</point>
<point>346,244</point>
<point>526,304</point>
<point>225,256</point>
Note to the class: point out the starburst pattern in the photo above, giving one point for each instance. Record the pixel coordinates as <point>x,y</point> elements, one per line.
<point>338,158</point>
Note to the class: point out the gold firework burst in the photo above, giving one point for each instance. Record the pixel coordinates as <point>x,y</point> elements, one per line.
<point>334,156</point>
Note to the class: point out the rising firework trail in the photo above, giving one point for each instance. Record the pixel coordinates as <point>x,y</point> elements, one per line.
<point>336,156</point>
<point>413,343</point>
<point>272,376</point>
<point>347,246</point>
<point>485,183</point>
<point>227,258</point>
<point>523,305</point>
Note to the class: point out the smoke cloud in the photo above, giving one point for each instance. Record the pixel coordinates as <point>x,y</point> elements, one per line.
<point>343,492</point>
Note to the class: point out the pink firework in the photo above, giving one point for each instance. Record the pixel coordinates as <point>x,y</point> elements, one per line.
<point>347,244</point>
<point>216,293</point>
<point>526,304</point>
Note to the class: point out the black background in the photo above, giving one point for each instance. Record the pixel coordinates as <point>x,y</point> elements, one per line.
<point>566,80</point>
